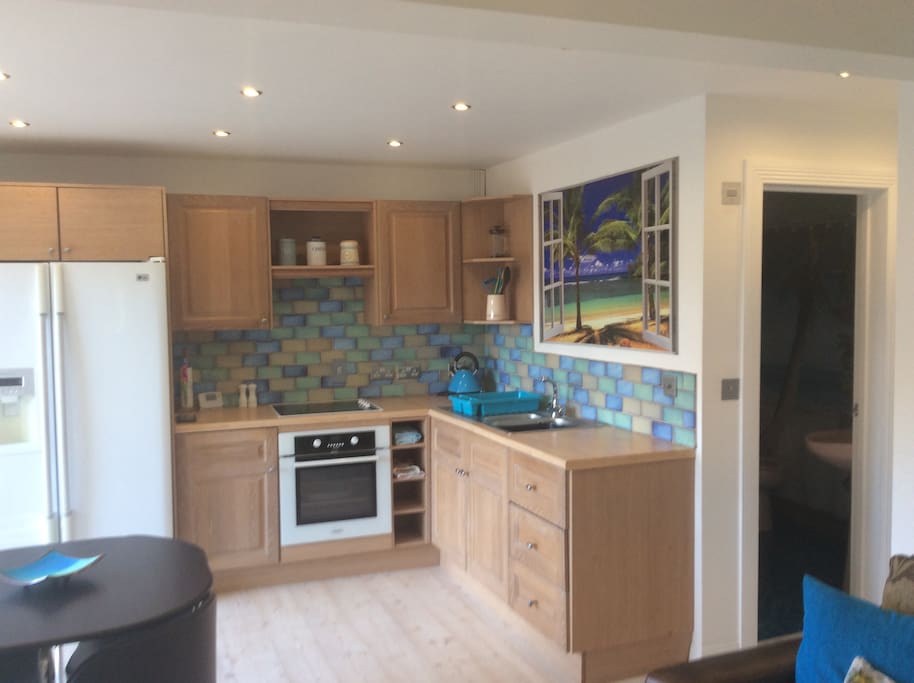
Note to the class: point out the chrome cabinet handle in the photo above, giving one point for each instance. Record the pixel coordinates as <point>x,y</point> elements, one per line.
<point>532,603</point>
<point>263,321</point>
<point>66,250</point>
<point>50,250</point>
<point>531,546</point>
<point>531,487</point>
<point>270,470</point>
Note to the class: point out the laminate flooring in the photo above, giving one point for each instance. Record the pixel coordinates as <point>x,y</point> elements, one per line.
<point>413,625</point>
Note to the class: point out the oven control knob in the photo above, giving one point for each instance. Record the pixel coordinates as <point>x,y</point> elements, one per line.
<point>316,443</point>
<point>354,441</point>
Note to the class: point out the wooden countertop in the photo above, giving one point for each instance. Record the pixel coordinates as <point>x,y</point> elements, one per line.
<point>586,447</point>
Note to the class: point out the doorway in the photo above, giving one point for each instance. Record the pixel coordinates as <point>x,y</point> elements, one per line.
<point>806,399</point>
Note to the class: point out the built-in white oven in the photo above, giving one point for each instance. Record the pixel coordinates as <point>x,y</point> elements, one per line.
<point>334,484</point>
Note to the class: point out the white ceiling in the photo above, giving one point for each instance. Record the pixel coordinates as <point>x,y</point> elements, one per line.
<point>341,77</point>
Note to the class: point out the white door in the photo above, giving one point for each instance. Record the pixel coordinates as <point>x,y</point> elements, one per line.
<point>116,386</point>
<point>26,463</point>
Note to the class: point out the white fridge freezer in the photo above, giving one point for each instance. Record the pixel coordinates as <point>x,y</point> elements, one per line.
<point>85,445</point>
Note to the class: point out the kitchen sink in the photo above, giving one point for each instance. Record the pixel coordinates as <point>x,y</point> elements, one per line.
<point>525,422</point>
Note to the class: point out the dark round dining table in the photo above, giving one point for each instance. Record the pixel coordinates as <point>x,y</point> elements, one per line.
<point>140,580</point>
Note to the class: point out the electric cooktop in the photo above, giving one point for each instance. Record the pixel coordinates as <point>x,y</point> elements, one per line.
<point>286,409</point>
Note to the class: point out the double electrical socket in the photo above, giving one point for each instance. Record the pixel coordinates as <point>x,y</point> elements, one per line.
<point>405,371</point>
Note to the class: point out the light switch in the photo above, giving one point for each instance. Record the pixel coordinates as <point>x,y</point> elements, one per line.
<point>731,193</point>
<point>729,390</point>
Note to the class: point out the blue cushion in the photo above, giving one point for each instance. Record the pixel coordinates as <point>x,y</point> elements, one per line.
<point>838,627</point>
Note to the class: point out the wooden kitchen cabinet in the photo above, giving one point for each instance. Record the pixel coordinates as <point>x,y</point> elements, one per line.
<point>514,214</point>
<point>219,262</point>
<point>111,223</point>
<point>469,505</point>
<point>227,496</point>
<point>598,558</point>
<point>81,223</point>
<point>418,269</point>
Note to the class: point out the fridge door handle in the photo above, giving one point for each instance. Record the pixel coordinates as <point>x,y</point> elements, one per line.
<point>57,323</point>
<point>43,293</point>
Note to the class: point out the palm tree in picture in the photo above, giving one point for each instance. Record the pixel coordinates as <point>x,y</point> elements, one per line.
<point>579,239</point>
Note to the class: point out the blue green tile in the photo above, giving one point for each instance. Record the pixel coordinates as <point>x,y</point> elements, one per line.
<point>685,400</point>
<point>345,393</point>
<point>270,372</point>
<point>390,390</point>
<point>684,437</point>
<point>623,421</point>
<point>645,392</point>
<point>607,385</point>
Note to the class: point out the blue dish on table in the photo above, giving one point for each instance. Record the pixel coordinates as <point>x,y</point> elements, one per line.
<point>51,565</point>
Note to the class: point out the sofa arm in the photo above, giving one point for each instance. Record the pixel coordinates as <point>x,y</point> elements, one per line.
<point>768,663</point>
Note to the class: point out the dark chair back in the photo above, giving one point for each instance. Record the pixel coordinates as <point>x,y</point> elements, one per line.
<point>178,650</point>
<point>26,666</point>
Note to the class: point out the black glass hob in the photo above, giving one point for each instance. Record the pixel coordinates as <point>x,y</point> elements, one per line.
<point>286,409</point>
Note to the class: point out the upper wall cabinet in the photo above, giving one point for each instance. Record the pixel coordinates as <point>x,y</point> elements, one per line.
<point>81,223</point>
<point>483,256</point>
<point>219,262</point>
<point>418,268</point>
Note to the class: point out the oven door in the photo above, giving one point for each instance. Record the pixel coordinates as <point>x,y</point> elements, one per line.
<point>336,498</point>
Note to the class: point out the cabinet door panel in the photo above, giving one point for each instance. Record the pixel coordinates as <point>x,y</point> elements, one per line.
<point>28,223</point>
<point>219,262</point>
<point>419,262</point>
<point>111,223</point>
<point>227,496</point>
<point>448,495</point>
<point>487,514</point>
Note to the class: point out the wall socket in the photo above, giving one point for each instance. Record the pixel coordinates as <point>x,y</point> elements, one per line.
<point>668,382</point>
<point>382,372</point>
<point>408,371</point>
<point>338,368</point>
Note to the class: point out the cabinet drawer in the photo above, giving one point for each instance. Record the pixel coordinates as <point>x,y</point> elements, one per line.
<point>540,603</point>
<point>538,487</point>
<point>447,440</point>
<point>538,545</point>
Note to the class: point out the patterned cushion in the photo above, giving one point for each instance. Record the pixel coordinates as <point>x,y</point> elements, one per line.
<point>862,672</point>
<point>898,594</point>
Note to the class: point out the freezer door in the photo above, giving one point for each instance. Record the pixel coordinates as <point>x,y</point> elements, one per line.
<point>26,462</point>
<point>115,366</point>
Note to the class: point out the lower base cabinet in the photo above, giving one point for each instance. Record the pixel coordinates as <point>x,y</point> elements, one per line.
<point>599,560</point>
<point>227,490</point>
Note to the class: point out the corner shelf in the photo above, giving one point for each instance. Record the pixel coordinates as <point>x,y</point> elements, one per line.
<point>296,272</point>
<point>478,215</point>
<point>491,259</point>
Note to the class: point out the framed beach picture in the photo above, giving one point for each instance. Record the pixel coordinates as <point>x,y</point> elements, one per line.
<point>608,274</point>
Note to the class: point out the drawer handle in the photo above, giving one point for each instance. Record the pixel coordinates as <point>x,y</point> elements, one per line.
<point>531,546</point>
<point>461,472</point>
<point>270,470</point>
<point>533,603</point>
<point>531,487</point>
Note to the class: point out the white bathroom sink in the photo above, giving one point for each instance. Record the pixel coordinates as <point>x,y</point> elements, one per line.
<point>831,446</point>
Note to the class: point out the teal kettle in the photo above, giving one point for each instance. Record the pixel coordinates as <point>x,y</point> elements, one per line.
<point>464,374</point>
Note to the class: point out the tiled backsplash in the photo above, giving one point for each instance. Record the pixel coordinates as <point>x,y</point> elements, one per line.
<point>627,396</point>
<point>320,326</point>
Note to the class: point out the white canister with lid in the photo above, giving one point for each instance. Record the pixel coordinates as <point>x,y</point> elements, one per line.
<point>317,252</point>
<point>349,253</point>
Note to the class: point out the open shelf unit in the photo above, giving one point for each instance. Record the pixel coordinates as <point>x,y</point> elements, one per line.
<point>514,213</point>
<point>333,222</point>
<point>410,494</point>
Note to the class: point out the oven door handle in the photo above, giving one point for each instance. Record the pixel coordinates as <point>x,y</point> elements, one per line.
<point>334,461</point>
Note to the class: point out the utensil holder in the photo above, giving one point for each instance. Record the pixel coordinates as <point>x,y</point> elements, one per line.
<point>496,309</point>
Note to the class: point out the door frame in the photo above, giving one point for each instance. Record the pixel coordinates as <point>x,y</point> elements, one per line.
<point>870,521</point>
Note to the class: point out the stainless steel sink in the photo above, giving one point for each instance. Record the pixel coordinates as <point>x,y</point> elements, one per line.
<point>525,422</point>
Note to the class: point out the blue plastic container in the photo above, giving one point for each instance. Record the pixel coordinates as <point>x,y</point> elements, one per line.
<point>495,403</point>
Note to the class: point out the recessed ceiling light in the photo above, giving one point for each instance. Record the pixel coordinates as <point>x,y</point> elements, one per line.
<point>394,143</point>
<point>219,133</point>
<point>4,77</point>
<point>844,74</point>
<point>460,106</point>
<point>19,123</point>
<point>251,91</point>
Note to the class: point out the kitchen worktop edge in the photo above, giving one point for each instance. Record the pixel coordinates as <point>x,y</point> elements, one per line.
<point>589,447</point>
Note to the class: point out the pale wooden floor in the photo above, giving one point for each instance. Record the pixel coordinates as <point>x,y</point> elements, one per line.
<point>413,625</point>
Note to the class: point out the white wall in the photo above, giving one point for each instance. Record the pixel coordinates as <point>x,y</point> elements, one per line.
<point>903,428</point>
<point>775,133</point>
<point>298,180</point>
<point>675,131</point>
